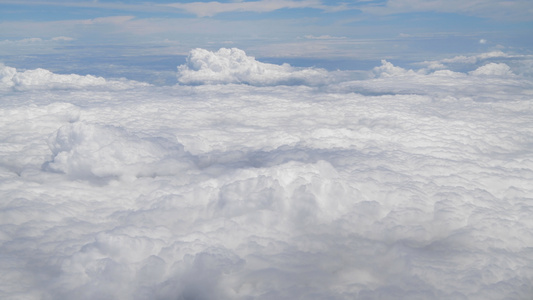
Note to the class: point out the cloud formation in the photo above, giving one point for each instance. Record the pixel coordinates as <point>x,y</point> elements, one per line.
<point>234,66</point>
<point>494,9</point>
<point>209,9</point>
<point>411,184</point>
<point>10,78</point>
<point>484,83</point>
<point>493,69</point>
<point>89,151</point>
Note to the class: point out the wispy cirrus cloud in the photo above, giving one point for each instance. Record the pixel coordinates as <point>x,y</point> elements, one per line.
<point>516,10</point>
<point>323,37</point>
<point>209,9</point>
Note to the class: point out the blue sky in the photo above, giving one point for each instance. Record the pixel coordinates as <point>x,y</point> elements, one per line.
<point>307,31</point>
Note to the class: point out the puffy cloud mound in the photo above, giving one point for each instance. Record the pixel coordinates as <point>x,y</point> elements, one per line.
<point>493,69</point>
<point>44,79</point>
<point>234,66</point>
<point>482,84</point>
<point>90,151</point>
<point>6,75</point>
<point>387,69</point>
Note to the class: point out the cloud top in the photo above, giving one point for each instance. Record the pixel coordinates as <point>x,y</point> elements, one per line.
<point>44,79</point>
<point>493,69</point>
<point>234,66</point>
<point>91,152</point>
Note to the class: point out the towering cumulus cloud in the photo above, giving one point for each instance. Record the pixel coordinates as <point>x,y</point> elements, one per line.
<point>256,181</point>
<point>234,66</point>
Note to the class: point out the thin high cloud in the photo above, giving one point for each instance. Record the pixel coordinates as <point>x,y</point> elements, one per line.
<point>209,9</point>
<point>516,10</point>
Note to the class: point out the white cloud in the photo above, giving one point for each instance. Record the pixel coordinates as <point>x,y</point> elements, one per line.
<point>105,20</point>
<point>471,59</point>
<point>518,63</point>
<point>22,41</point>
<point>32,45</point>
<point>44,79</point>
<point>323,37</point>
<point>105,152</point>
<point>234,66</point>
<point>497,69</point>
<point>6,75</point>
<point>482,84</point>
<point>62,38</point>
<point>518,10</point>
<point>387,69</point>
<point>209,9</point>
<point>410,184</point>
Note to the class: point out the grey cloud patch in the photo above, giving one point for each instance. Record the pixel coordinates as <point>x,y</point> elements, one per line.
<point>236,191</point>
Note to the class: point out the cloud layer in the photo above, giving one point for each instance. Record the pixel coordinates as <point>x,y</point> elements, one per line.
<point>209,9</point>
<point>411,184</point>
<point>495,9</point>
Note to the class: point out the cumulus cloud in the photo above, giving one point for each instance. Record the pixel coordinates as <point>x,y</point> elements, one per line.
<point>412,184</point>
<point>387,69</point>
<point>6,75</point>
<point>88,151</point>
<point>496,69</point>
<point>519,63</point>
<point>10,78</point>
<point>464,59</point>
<point>234,66</point>
<point>482,84</point>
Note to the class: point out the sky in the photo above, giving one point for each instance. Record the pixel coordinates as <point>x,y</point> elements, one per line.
<point>103,36</point>
<point>266,150</point>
